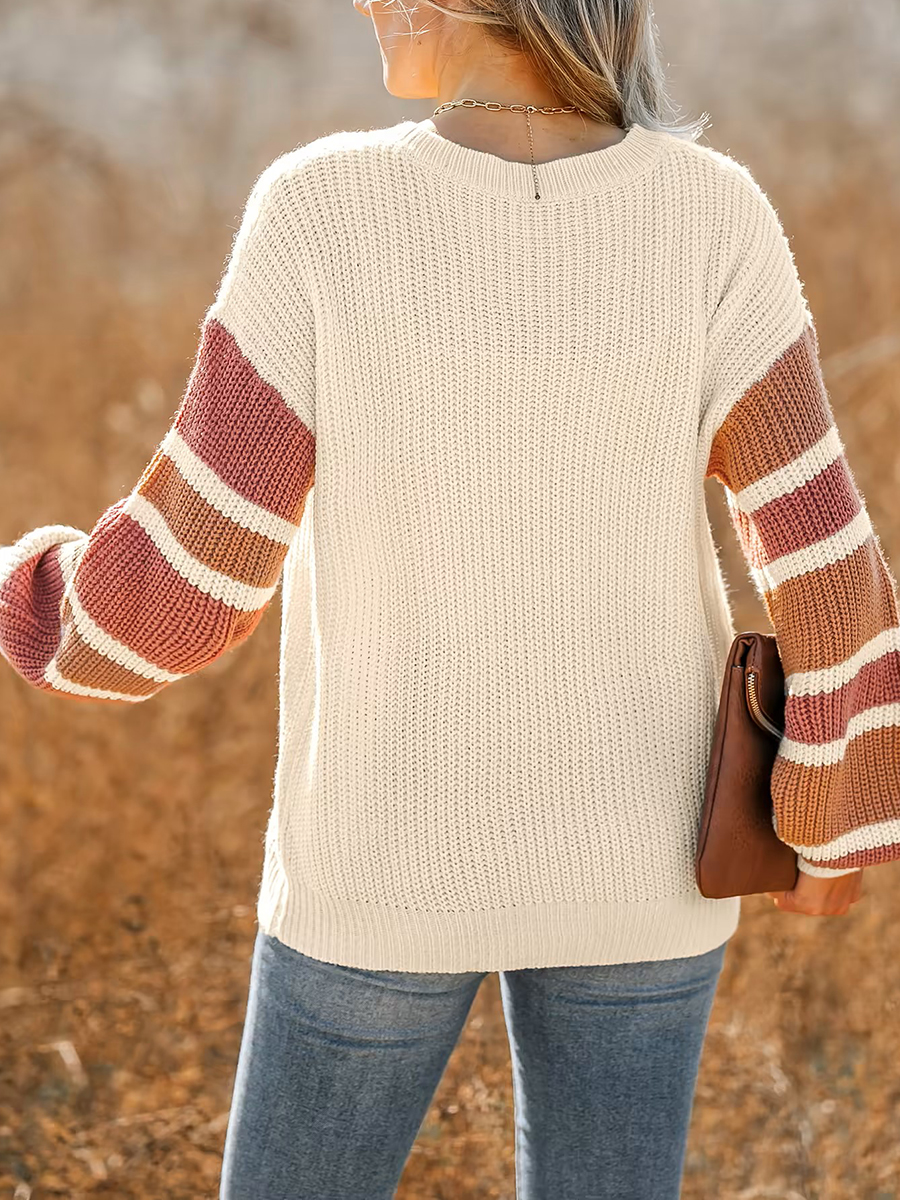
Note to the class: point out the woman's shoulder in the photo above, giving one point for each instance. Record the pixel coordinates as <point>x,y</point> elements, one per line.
<point>722,192</point>
<point>720,176</point>
<point>330,152</point>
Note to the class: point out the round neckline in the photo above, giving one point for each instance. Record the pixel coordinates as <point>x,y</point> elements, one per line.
<point>575,175</point>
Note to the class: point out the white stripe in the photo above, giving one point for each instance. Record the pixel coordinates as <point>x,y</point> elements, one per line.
<point>812,558</point>
<point>826,754</point>
<point>221,587</point>
<point>61,684</point>
<point>794,474</point>
<point>216,492</point>
<point>824,872</point>
<point>70,555</point>
<point>827,679</point>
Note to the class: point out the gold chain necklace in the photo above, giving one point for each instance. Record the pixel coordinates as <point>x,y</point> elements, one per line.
<point>527,109</point>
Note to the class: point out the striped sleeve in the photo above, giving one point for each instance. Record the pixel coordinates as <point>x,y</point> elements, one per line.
<point>813,555</point>
<point>182,569</point>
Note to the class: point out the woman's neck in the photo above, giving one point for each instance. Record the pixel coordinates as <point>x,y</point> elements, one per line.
<point>505,134</point>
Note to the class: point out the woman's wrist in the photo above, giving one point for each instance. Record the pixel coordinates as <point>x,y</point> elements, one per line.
<point>811,868</point>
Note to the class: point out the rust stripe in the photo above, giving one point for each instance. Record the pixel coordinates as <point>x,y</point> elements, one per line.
<point>244,625</point>
<point>152,609</point>
<point>240,426</point>
<point>823,717</point>
<point>814,511</point>
<point>29,604</point>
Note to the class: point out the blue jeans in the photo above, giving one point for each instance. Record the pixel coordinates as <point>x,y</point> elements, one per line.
<point>338,1067</point>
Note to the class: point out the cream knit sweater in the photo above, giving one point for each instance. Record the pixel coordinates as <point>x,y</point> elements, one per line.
<point>504,622</point>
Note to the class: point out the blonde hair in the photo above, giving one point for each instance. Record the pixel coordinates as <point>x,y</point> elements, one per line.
<point>600,55</point>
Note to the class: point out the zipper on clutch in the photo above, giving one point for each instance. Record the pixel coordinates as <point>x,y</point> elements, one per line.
<point>758,714</point>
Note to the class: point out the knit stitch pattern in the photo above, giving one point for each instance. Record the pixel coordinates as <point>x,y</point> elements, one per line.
<point>467,431</point>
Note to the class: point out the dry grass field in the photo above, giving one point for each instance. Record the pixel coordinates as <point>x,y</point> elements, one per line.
<point>132,840</point>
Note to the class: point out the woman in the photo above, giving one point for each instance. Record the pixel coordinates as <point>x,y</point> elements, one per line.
<point>510,346</point>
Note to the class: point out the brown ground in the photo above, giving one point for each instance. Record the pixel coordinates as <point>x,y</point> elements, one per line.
<point>133,837</point>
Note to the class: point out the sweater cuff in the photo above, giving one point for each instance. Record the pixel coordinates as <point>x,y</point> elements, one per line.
<point>37,541</point>
<point>811,868</point>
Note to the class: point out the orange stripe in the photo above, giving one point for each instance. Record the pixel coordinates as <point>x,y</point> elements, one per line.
<point>776,419</point>
<point>827,615</point>
<point>814,805</point>
<point>244,625</point>
<point>81,663</point>
<point>213,539</point>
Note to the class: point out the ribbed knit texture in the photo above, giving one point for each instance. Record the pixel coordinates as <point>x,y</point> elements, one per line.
<point>503,619</point>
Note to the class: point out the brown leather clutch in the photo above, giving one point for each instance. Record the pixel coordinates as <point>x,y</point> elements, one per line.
<point>738,851</point>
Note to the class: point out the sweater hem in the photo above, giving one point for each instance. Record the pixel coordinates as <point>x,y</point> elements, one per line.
<point>577,933</point>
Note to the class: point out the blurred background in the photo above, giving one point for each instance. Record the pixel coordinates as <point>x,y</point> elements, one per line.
<point>131,135</point>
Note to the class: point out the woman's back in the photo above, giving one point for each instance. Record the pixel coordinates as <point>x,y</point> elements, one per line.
<point>516,679</point>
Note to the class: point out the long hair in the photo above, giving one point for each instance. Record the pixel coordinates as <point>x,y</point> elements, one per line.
<point>602,56</point>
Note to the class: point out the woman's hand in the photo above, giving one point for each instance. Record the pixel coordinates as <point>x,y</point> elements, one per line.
<point>818,897</point>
